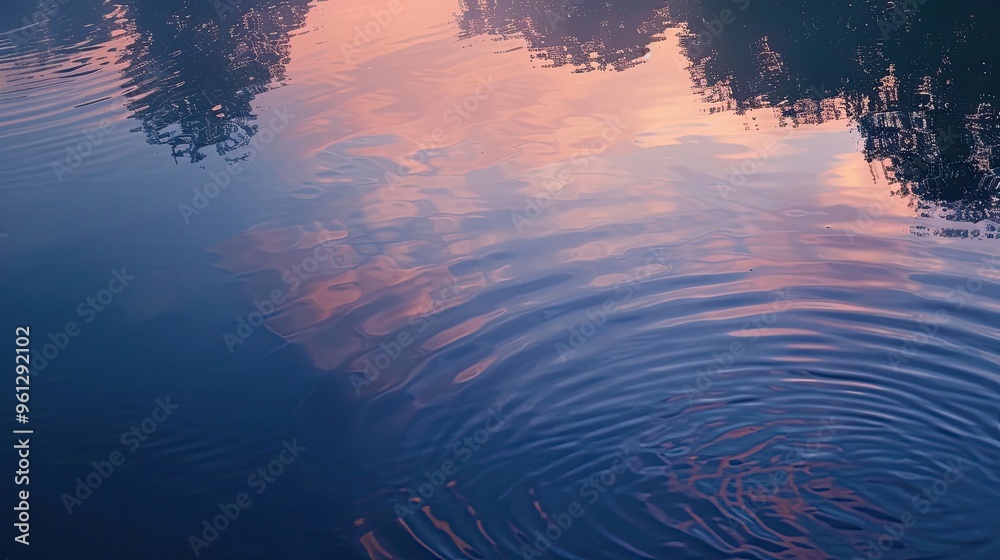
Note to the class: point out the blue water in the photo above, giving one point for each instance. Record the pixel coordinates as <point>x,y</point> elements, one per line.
<point>496,280</point>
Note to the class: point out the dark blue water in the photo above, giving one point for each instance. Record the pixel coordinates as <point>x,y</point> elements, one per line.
<point>497,280</point>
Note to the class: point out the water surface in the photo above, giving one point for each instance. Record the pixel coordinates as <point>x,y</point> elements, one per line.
<point>595,280</point>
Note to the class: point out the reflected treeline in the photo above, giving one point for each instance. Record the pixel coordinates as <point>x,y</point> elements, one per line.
<point>920,80</point>
<point>587,34</point>
<point>193,67</point>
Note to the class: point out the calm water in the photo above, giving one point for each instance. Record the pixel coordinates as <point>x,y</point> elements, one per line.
<point>505,279</point>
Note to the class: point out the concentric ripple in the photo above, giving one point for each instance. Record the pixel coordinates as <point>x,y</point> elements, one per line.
<point>707,415</point>
<point>631,365</point>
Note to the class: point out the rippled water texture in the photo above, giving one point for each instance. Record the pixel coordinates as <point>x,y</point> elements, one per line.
<point>526,279</point>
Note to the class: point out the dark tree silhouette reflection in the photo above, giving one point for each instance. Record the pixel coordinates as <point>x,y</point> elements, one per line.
<point>920,84</point>
<point>588,34</point>
<point>193,68</point>
<point>919,80</point>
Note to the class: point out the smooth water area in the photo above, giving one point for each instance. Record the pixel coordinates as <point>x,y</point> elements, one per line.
<point>523,279</point>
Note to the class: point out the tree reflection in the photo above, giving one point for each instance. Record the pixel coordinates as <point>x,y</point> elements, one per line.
<point>193,68</point>
<point>919,80</point>
<point>588,34</point>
